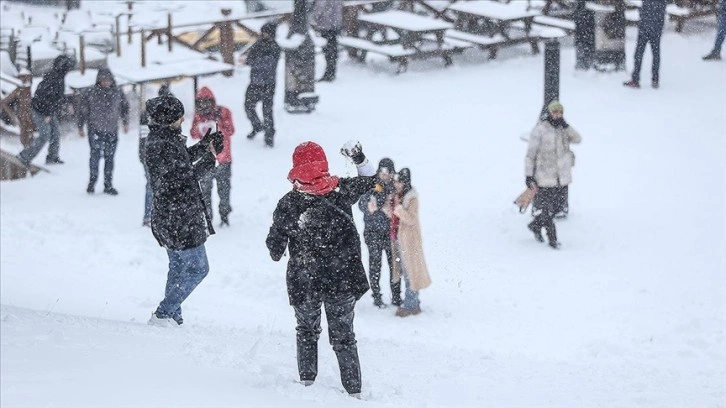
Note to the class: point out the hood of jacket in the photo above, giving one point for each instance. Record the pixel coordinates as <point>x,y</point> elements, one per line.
<point>206,93</point>
<point>105,73</point>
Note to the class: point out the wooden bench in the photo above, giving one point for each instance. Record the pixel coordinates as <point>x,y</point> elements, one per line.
<point>682,14</point>
<point>397,53</point>
<point>493,43</point>
<point>561,23</point>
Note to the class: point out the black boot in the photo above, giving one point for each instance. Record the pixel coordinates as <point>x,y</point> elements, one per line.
<point>396,294</point>
<point>349,368</point>
<point>91,187</point>
<point>378,301</point>
<point>552,236</point>
<point>225,220</point>
<point>536,230</point>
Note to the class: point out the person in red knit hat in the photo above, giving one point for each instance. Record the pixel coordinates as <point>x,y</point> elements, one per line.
<point>208,115</point>
<point>314,221</point>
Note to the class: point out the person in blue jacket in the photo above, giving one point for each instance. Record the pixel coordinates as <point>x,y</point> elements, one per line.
<point>715,54</point>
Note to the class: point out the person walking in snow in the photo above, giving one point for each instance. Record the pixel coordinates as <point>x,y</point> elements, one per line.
<point>262,58</point>
<point>101,107</point>
<point>408,244</point>
<point>548,169</point>
<point>20,98</point>
<point>315,223</point>
<point>143,134</point>
<point>47,103</point>
<point>715,54</point>
<point>376,208</point>
<point>179,220</point>
<point>650,29</point>
<point>210,116</point>
<point>327,18</point>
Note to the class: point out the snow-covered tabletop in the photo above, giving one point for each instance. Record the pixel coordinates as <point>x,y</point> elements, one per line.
<point>159,72</point>
<point>495,11</point>
<point>402,20</point>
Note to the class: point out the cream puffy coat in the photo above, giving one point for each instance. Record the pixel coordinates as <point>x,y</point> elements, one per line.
<point>549,158</point>
<point>411,244</point>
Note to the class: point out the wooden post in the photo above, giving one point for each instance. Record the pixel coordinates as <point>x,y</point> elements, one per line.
<point>82,54</point>
<point>130,33</point>
<point>196,89</point>
<point>143,48</point>
<point>226,39</point>
<point>168,30</point>
<point>118,35</point>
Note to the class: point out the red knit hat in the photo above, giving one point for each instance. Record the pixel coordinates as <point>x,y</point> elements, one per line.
<point>309,172</point>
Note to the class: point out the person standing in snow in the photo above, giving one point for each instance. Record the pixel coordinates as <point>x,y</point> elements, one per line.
<point>21,116</point>
<point>408,244</point>
<point>315,223</point>
<point>100,108</point>
<point>715,54</point>
<point>210,116</point>
<point>327,18</point>
<point>143,133</point>
<point>376,208</point>
<point>262,58</point>
<point>650,29</point>
<point>179,220</point>
<point>47,104</point>
<point>548,169</point>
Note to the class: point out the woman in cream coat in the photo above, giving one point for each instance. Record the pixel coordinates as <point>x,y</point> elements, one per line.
<point>408,245</point>
<point>548,169</point>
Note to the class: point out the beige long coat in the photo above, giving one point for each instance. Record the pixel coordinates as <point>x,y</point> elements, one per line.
<point>410,251</point>
<point>549,158</point>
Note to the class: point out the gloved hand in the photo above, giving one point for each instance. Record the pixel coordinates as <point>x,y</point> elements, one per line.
<point>215,139</point>
<point>530,182</point>
<point>353,150</point>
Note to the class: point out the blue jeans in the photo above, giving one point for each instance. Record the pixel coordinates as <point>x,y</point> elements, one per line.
<point>46,132</point>
<point>720,31</point>
<point>411,300</point>
<point>187,269</point>
<point>102,144</point>
<point>653,39</point>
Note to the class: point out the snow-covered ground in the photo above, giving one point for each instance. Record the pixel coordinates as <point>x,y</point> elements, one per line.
<point>630,313</point>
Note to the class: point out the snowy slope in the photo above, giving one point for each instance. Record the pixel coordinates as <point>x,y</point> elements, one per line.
<point>630,313</point>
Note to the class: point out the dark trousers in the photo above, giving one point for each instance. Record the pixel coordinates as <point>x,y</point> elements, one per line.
<point>223,174</point>
<point>645,38</point>
<point>377,246</point>
<point>584,52</point>
<point>340,313</point>
<point>264,94</point>
<point>330,50</point>
<point>551,200</point>
<point>103,144</point>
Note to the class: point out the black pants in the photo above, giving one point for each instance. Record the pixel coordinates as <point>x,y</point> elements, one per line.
<point>340,312</point>
<point>645,38</point>
<point>330,50</point>
<point>103,144</point>
<point>264,94</point>
<point>584,52</point>
<point>223,174</point>
<point>551,200</point>
<point>377,246</point>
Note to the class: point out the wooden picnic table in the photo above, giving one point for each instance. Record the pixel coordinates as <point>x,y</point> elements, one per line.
<point>498,17</point>
<point>417,37</point>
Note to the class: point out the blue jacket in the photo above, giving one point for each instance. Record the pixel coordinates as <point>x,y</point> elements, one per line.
<point>652,16</point>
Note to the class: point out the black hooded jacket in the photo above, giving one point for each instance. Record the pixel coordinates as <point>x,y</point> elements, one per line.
<point>48,98</point>
<point>179,218</point>
<point>102,108</point>
<point>324,245</point>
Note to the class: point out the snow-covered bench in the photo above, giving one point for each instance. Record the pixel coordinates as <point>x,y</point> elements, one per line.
<point>680,15</point>
<point>397,52</point>
<point>492,43</point>
<point>561,23</point>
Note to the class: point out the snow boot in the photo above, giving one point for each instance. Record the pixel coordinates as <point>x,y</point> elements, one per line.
<point>712,57</point>
<point>156,320</point>
<point>655,85</point>
<point>632,84</point>
<point>90,189</point>
<point>378,302</point>
<point>403,312</point>
<point>537,231</point>
<point>110,191</point>
<point>53,160</point>
<point>225,220</point>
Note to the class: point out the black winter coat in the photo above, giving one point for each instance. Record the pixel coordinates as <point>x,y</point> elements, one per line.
<point>324,245</point>
<point>377,224</point>
<point>50,94</point>
<point>179,219</point>
<point>262,59</point>
<point>652,16</point>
